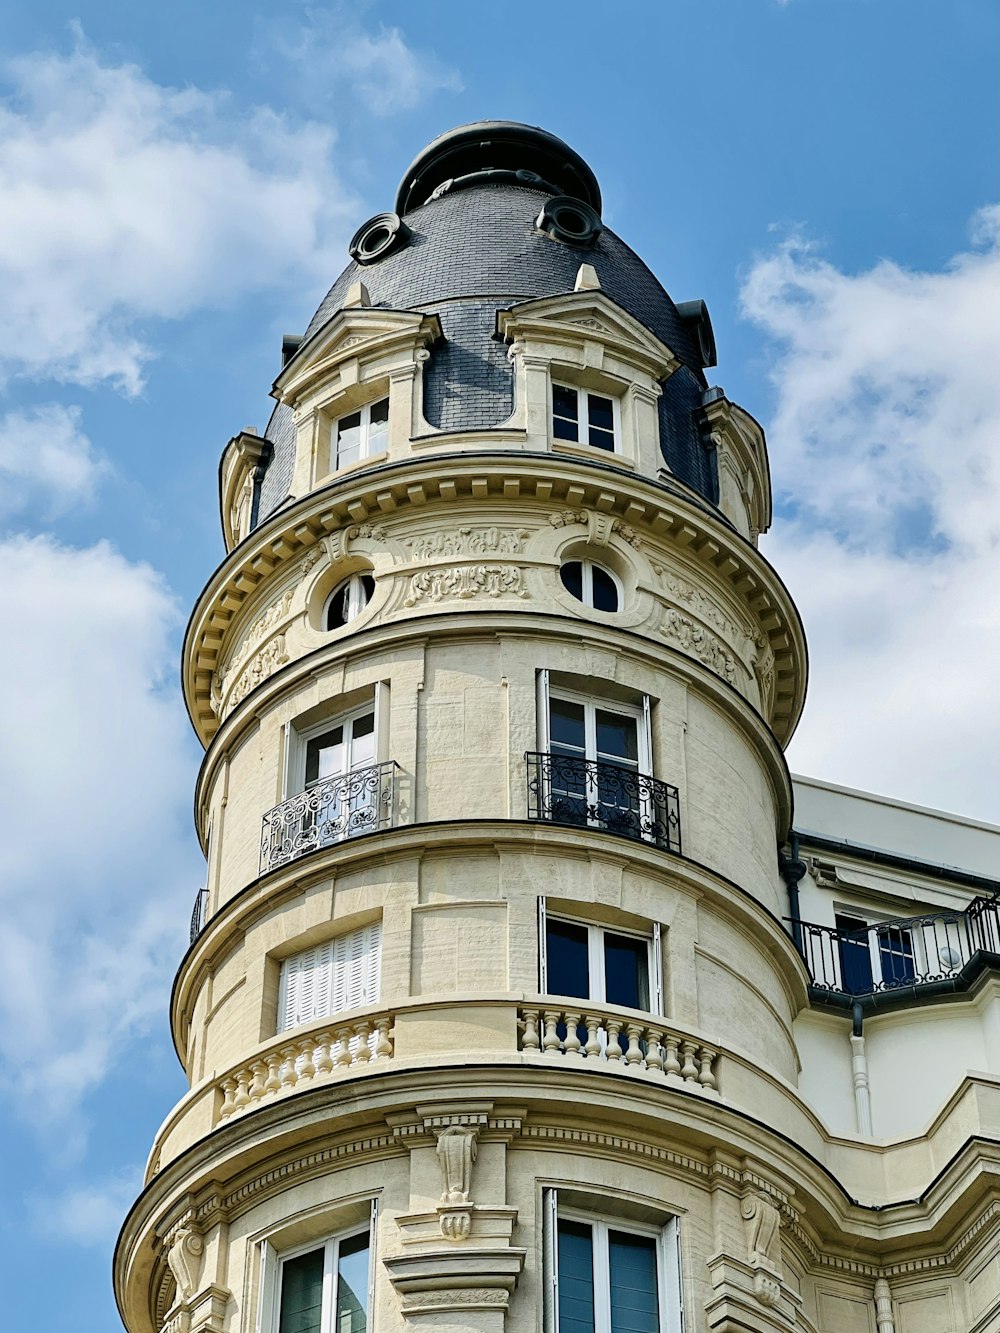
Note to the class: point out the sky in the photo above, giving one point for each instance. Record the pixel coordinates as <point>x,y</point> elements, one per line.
<point>177,188</point>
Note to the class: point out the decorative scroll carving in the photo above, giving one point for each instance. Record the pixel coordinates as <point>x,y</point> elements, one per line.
<point>626,533</point>
<point>467,581</point>
<point>762,661</point>
<point>567,517</point>
<point>311,559</point>
<point>184,1260</point>
<point>267,620</point>
<point>469,541</point>
<point>700,643</point>
<point>705,609</point>
<point>264,664</point>
<point>457,1147</point>
<point>763,1222</point>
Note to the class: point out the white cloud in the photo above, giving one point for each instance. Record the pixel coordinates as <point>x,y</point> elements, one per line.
<point>883,446</point>
<point>46,458</point>
<point>122,201</point>
<point>100,864</point>
<point>338,61</point>
<point>87,1215</point>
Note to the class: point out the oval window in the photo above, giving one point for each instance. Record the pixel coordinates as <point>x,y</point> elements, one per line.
<point>348,600</point>
<point>591,584</point>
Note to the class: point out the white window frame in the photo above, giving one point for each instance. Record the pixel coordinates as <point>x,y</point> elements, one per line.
<point>272,1265</point>
<point>363,950</point>
<point>365,450</point>
<point>583,417</point>
<point>591,703</point>
<point>669,1287</point>
<point>356,598</point>
<point>297,740</point>
<point>587,581</point>
<point>596,978</point>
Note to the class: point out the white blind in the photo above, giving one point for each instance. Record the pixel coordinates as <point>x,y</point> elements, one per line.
<point>330,978</point>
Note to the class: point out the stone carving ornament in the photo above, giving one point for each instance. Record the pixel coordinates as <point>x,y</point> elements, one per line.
<point>763,1223</point>
<point>184,1260</point>
<point>272,656</point>
<point>469,541</point>
<point>467,581</point>
<point>456,1151</point>
<point>700,643</point>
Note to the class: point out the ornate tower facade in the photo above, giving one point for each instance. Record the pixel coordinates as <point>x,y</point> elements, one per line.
<point>488,1010</point>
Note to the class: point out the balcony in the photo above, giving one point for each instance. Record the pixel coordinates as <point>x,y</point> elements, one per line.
<point>327,812</point>
<point>904,956</point>
<point>588,793</point>
<point>198,914</point>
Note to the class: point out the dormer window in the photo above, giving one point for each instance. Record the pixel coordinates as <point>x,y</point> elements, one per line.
<point>361,434</point>
<point>583,417</point>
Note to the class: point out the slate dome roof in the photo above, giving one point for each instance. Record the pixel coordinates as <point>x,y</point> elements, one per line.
<point>471,201</point>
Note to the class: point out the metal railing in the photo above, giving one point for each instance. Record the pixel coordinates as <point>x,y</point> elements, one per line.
<point>908,953</point>
<point>198,914</point>
<point>567,790</point>
<point>329,811</point>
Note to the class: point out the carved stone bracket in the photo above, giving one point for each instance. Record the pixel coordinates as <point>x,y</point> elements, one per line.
<point>475,1282</point>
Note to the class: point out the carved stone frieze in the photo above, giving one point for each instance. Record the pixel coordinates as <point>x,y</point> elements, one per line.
<point>272,656</point>
<point>414,1300</point>
<point>466,581</point>
<point>371,531</point>
<point>469,541</point>
<point>627,534</point>
<point>566,518</point>
<point>700,643</point>
<point>311,559</point>
<point>273,615</point>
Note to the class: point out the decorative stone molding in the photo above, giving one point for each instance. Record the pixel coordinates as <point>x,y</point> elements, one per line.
<point>185,1249</point>
<point>272,656</point>
<point>883,1307</point>
<point>468,541</point>
<point>456,1151</point>
<point>568,517</point>
<point>466,581</point>
<point>269,619</point>
<point>701,643</point>
<point>736,1306</point>
<point>472,1278</point>
<point>763,1222</point>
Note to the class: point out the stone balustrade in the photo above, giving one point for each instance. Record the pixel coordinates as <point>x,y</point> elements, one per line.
<point>299,1062</point>
<point>620,1037</point>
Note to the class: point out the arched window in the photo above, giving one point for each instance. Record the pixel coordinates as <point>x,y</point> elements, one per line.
<point>348,600</point>
<point>592,584</point>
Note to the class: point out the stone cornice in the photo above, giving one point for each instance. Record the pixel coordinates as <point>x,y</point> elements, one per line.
<point>292,535</point>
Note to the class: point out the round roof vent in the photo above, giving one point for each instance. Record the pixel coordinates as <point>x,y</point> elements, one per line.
<point>503,147</point>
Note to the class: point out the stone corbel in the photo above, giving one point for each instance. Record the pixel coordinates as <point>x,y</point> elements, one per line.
<point>763,1223</point>
<point>457,1146</point>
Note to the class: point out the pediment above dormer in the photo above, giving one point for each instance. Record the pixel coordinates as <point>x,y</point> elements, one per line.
<point>573,319</point>
<point>360,333</point>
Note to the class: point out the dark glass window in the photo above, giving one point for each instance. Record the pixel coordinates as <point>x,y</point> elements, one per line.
<point>567,959</point>
<point>592,963</point>
<point>583,417</point>
<point>565,413</point>
<point>348,600</point>
<point>634,1301</point>
<point>855,958</point>
<point>590,584</point>
<point>601,420</point>
<point>301,1309</point>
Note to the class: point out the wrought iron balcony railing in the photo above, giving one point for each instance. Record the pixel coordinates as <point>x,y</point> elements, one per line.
<point>567,790</point>
<point>901,954</point>
<point>198,913</point>
<point>329,811</point>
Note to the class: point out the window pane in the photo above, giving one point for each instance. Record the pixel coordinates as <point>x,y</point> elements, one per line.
<point>302,1294</point>
<point>625,971</point>
<point>632,1261</point>
<point>855,960</point>
<point>339,609</point>
<point>567,726</point>
<point>367,590</point>
<point>572,577</point>
<point>348,439</point>
<point>325,755</point>
<point>895,948</point>
<point>605,590</point>
<point>380,413</point>
<point>564,402</point>
<point>601,439</point>
<point>576,1277</point>
<point>352,1285</point>
<point>363,740</point>
<point>617,737</point>
<point>600,412</point>
<point>566,959</point>
<point>378,428</point>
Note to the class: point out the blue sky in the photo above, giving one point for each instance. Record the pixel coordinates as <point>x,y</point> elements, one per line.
<point>177,186</point>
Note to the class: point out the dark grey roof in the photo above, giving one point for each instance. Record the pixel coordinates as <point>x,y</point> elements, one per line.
<point>474,251</point>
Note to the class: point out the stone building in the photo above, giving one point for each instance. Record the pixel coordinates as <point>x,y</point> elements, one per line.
<point>516,999</point>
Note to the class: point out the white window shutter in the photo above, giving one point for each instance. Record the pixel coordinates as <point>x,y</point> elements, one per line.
<point>344,973</point>
<point>373,978</point>
<point>542,728</point>
<point>672,1296</point>
<point>550,1261</point>
<point>267,1297</point>
<point>382,746</point>
<point>656,970</point>
<point>646,740</point>
<point>372,1263</point>
<point>543,961</point>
